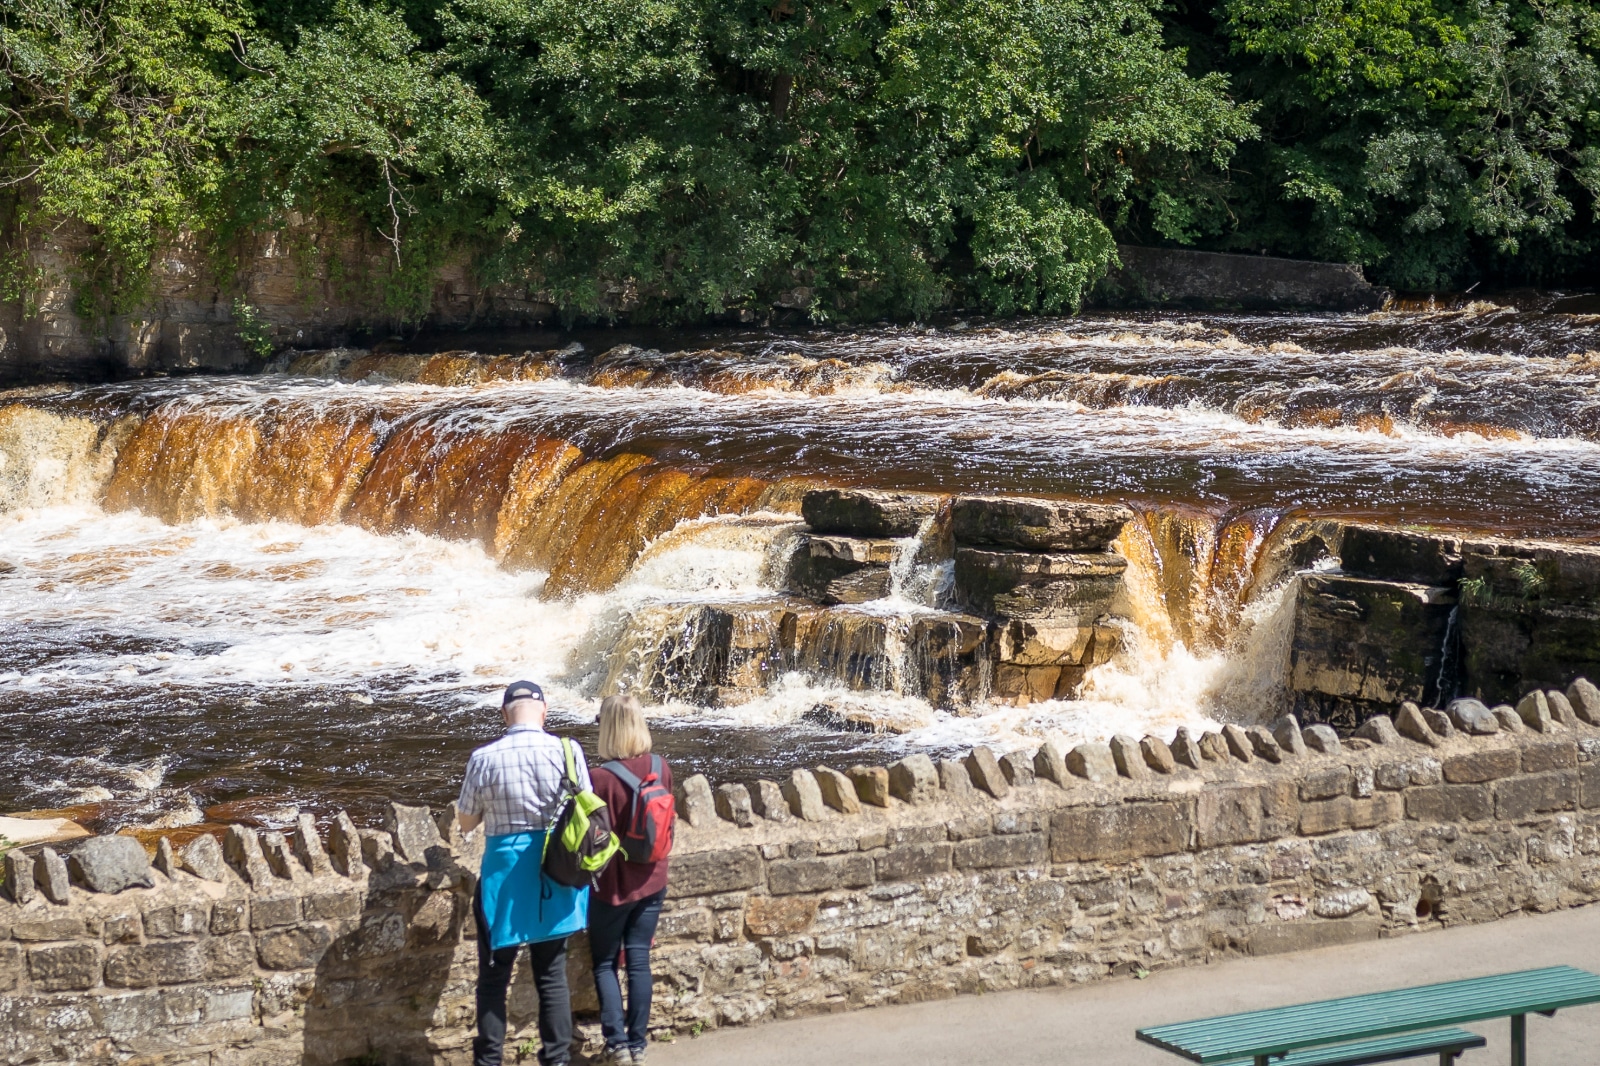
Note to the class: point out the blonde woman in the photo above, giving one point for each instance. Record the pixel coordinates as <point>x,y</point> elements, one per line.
<point>626,903</point>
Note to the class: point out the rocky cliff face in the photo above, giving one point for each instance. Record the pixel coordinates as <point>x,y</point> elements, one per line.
<point>310,286</point>
<point>1425,616</point>
<point>305,287</point>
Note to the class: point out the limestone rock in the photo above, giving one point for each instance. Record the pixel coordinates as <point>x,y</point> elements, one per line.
<point>27,831</point>
<point>275,847</point>
<point>1532,615</point>
<point>696,805</point>
<point>872,784</point>
<point>867,513</point>
<point>377,850</point>
<point>1240,746</point>
<point>954,779</point>
<point>1034,524</point>
<point>242,848</point>
<point>1263,744</point>
<point>1185,749</point>
<point>344,843</point>
<point>833,580</point>
<point>1092,762</point>
<point>984,769</point>
<point>1534,710</point>
<point>50,874</point>
<point>448,819</point>
<point>204,858</point>
<point>1157,755</point>
<point>1379,729</point>
<point>166,859</point>
<point>20,883</point>
<point>1392,554</point>
<point>1321,738</point>
<point>1585,700</point>
<point>803,795</point>
<point>414,831</point>
<point>733,805</point>
<point>1040,642</point>
<point>308,844</point>
<point>1068,589</point>
<point>1018,768</point>
<point>1286,731</point>
<point>110,864</point>
<point>914,780</point>
<point>1410,724</point>
<point>1561,710</point>
<point>1510,721</point>
<point>1050,764</point>
<point>838,791</point>
<point>767,799</point>
<point>1213,748</point>
<point>857,550</point>
<point>1343,903</point>
<point>1472,717</point>
<point>1128,758</point>
<point>1361,645</point>
<point>1439,722</point>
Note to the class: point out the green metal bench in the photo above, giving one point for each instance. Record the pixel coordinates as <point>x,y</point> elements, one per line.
<point>1446,1043</point>
<point>1276,1037</point>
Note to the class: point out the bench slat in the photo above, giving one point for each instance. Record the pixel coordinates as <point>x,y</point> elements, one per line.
<point>1388,1049</point>
<point>1284,1029</point>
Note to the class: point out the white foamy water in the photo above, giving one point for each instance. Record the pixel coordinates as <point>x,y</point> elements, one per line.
<point>145,606</point>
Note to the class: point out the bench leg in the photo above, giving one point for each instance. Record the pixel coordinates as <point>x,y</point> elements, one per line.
<point>1519,1040</point>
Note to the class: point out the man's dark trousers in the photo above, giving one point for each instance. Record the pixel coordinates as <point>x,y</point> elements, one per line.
<point>549,958</point>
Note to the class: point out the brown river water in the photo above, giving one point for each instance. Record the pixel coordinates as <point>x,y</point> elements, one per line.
<point>226,597</point>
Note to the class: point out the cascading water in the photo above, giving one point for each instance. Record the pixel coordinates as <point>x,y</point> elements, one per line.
<point>283,587</point>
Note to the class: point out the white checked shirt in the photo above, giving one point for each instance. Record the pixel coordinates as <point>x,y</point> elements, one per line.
<point>515,783</point>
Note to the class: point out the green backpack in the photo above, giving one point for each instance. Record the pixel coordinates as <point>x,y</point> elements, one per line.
<point>579,843</point>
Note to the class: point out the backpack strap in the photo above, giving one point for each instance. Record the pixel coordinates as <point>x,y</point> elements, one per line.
<point>657,767</point>
<point>623,774</point>
<point>573,784</point>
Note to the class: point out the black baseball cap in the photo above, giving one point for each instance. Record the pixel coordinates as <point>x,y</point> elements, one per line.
<point>522,690</point>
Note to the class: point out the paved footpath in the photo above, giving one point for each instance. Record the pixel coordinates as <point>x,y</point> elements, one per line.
<point>1095,1023</point>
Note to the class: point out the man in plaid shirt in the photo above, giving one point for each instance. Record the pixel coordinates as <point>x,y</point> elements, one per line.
<point>514,789</point>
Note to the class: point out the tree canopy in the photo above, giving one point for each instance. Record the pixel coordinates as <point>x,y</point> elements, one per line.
<point>856,158</point>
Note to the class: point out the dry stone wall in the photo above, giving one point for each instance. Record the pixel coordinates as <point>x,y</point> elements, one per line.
<point>826,891</point>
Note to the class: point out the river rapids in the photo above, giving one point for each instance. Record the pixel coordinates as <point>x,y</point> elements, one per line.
<point>227,598</point>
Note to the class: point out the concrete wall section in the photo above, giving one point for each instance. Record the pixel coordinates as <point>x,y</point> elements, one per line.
<point>881,885</point>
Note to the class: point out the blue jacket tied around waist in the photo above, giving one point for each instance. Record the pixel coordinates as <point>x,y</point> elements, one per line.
<point>520,904</point>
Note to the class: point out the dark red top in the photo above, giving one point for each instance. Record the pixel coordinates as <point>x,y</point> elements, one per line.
<point>622,881</point>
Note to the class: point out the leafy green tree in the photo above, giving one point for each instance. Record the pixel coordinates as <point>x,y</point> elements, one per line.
<point>108,116</point>
<point>1431,138</point>
<point>356,121</point>
<point>876,156</point>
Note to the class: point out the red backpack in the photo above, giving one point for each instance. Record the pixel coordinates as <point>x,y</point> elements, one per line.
<point>648,834</point>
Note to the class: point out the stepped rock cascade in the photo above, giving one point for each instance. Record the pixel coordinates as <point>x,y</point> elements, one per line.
<point>848,544</point>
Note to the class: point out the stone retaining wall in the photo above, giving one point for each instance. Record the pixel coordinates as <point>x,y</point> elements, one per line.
<point>827,891</point>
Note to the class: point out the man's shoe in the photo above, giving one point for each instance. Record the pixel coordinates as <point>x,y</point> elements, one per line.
<point>618,1055</point>
<point>637,1056</point>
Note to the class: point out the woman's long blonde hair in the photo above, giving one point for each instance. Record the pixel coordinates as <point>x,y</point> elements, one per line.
<point>623,732</point>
